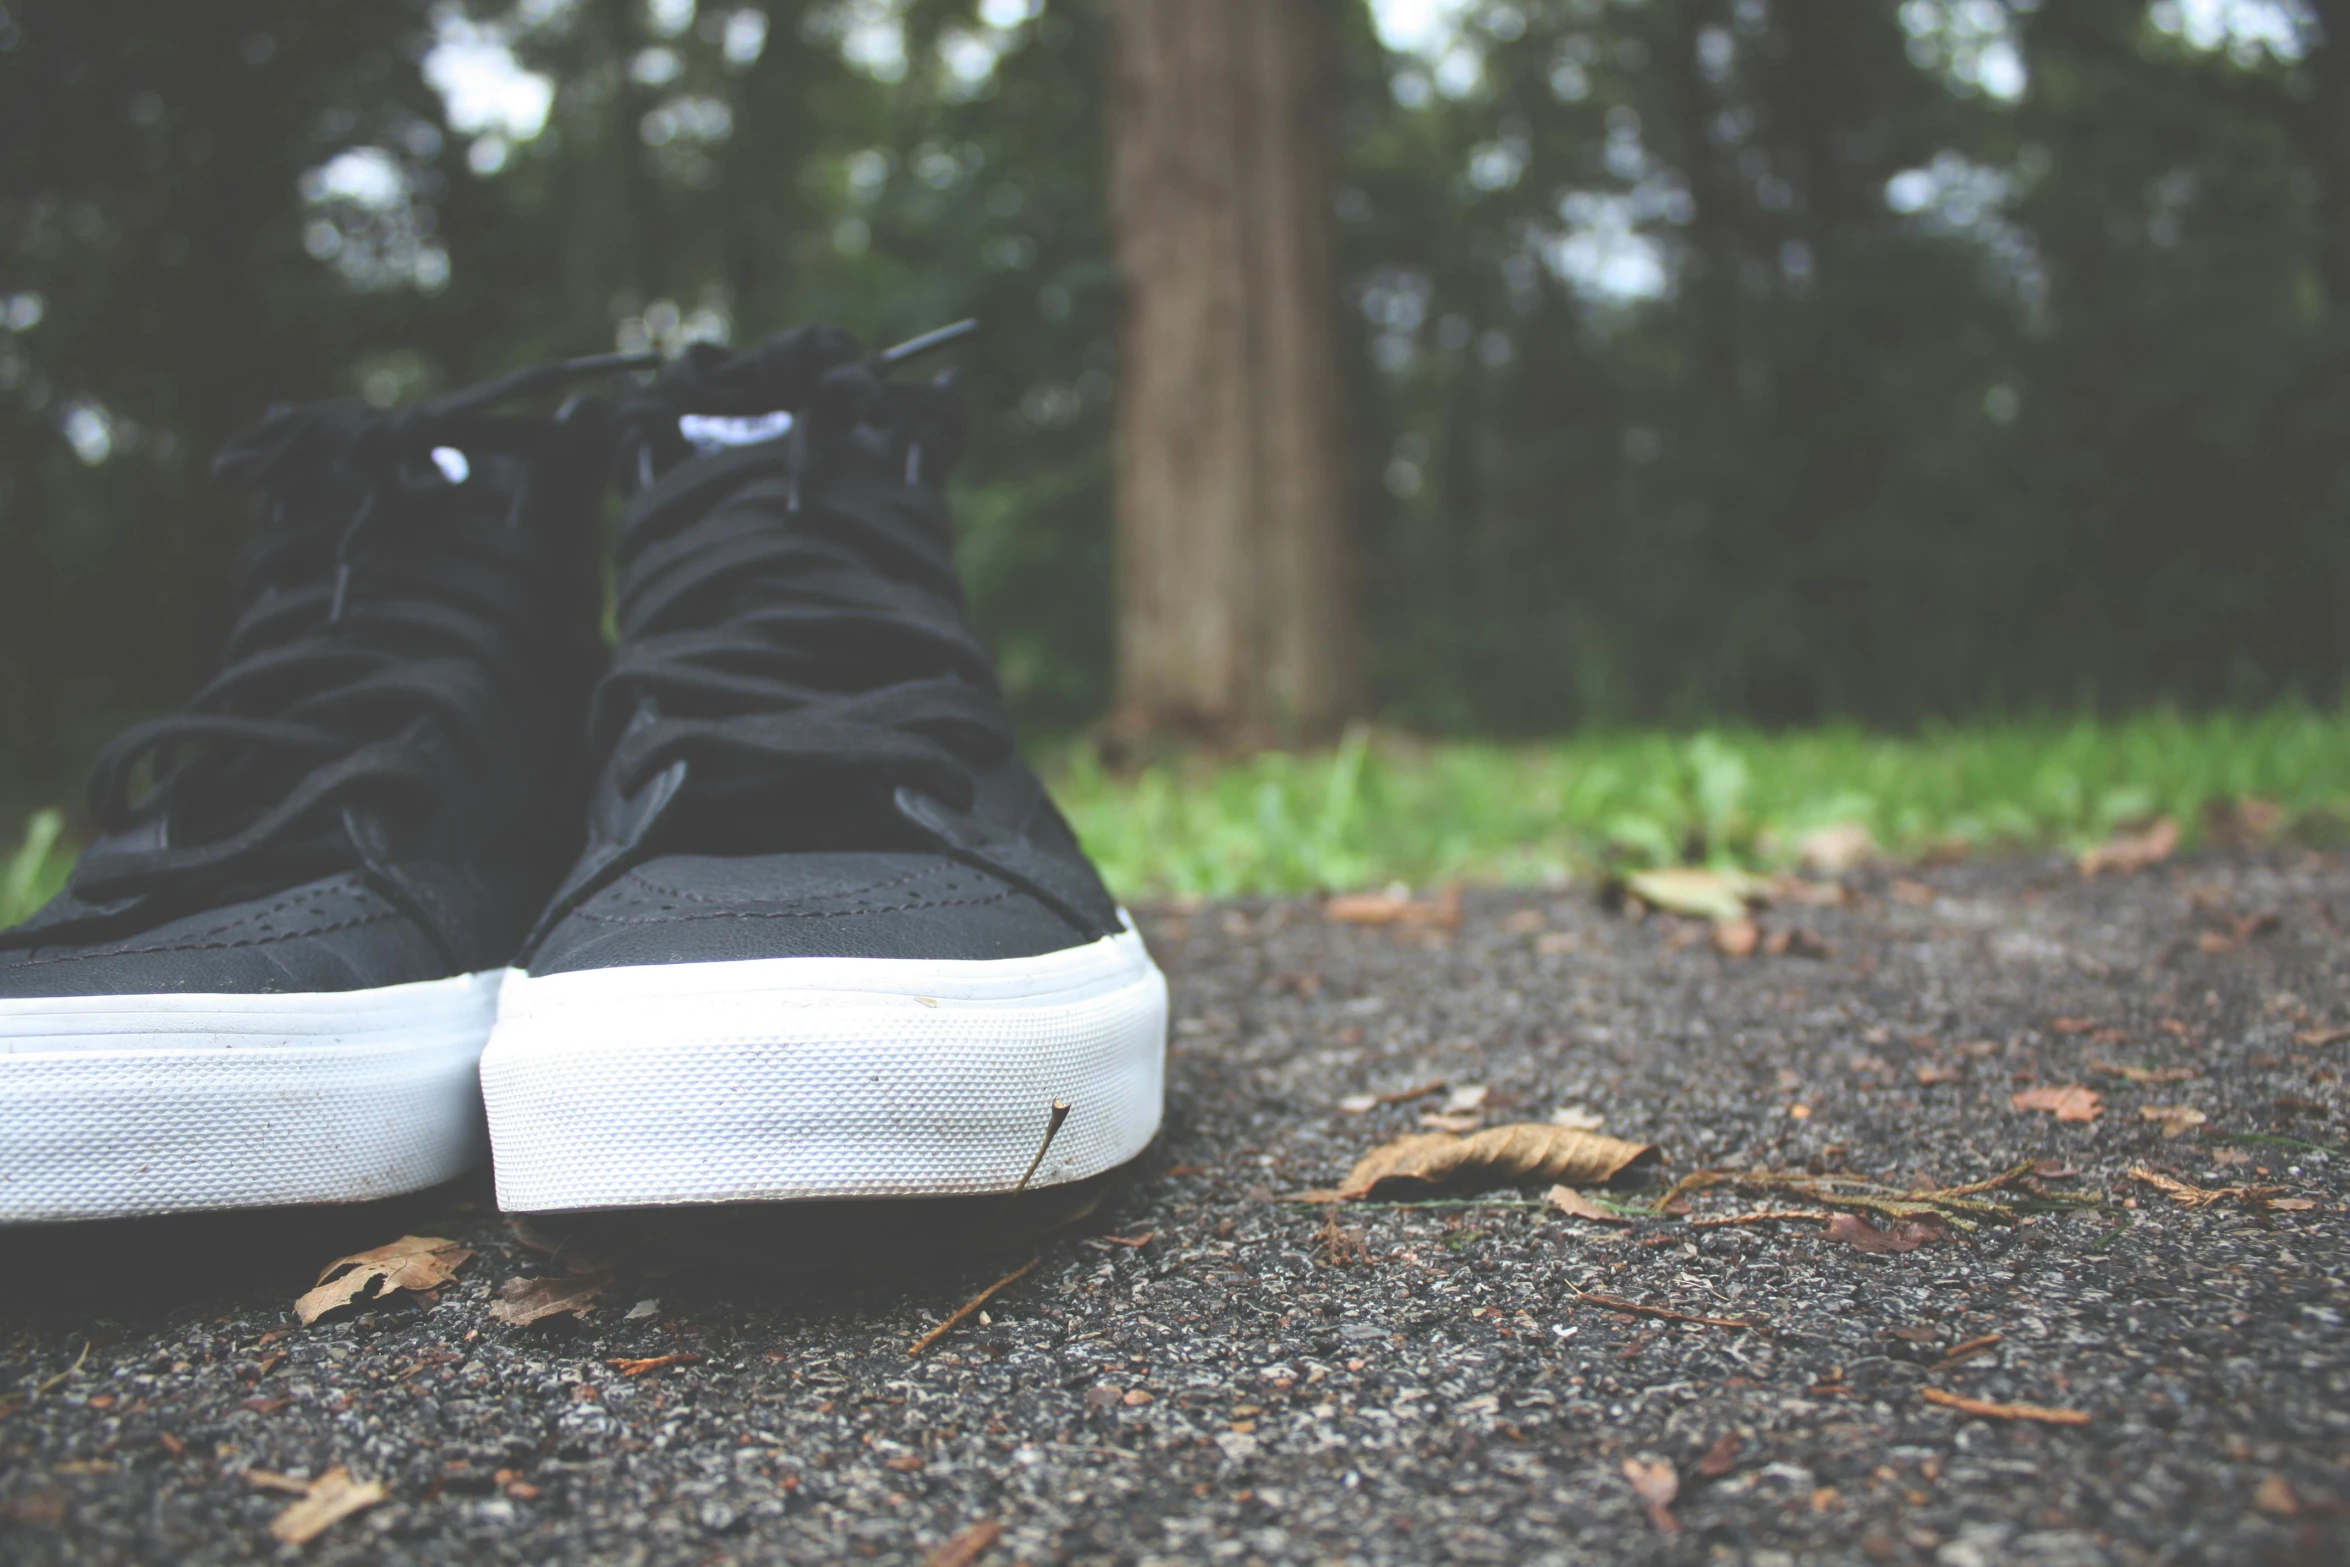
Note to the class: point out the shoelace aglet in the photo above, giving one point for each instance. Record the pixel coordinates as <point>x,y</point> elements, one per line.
<point>928,343</point>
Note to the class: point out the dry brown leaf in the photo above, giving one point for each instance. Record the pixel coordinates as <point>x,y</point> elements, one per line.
<point>524,1301</point>
<point>2175,1120</point>
<point>1737,938</point>
<point>1905,1235</point>
<point>413,1262</point>
<point>965,1549</point>
<point>1990,1411</point>
<point>1796,943</point>
<point>2069,1103</point>
<point>327,1501</point>
<point>2319,1038</point>
<point>2243,822</point>
<point>1697,893</point>
<point>1836,848</point>
<point>1498,1156</point>
<point>1336,1246</point>
<point>1567,1200</point>
<point>2292,1204</point>
<point>1722,1457</point>
<point>2074,1025</point>
<point>271,1480</point>
<point>1656,1484</point>
<point>1394,907</point>
<point>1359,1104</point>
<point>2145,1074</point>
<point>2276,1497</point>
<point>2133,851</point>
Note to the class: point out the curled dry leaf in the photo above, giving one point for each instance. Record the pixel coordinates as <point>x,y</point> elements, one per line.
<point>524,1301</point>
<point>2175,1120</point>
<point>1990,1411</point>
<point>413,1262</point>
<point>965,1549</point>
<point>1657,1485</point>
<point>1722,1457</point>
<point>328,1500</point>
<point>1904,1235</point>
<point>2069,1103</point>
<point>2133,851</point>
<point>1498,1156</point>
<point>1697,893</point>
<point>1567,1200</point>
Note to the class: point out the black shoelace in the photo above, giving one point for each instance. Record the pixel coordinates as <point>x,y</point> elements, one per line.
<point>791,624</point>
<point>392,637</point>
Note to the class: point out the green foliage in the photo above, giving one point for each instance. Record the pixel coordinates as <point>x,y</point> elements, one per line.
<point>2057,429</point>
<point>1383,809</point>
<point>35,872</point>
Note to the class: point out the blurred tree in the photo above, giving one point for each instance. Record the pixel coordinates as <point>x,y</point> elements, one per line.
<point>1236,615</point>
<point>1773,358</point>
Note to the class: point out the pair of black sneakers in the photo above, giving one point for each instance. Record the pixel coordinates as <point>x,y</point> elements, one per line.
<point>793,920</point>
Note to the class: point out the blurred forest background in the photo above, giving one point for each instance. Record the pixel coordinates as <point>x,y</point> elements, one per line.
<point>1767,360</point>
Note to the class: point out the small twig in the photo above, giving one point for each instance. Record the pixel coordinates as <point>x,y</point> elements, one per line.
<point>638,1368</point>
<point>972,1305</point>
<point>1967,1351</point>
<point>1975,1187</point>
<point>1613,1303</point>
<point>1052,1130</point>
<point>66,1373</point>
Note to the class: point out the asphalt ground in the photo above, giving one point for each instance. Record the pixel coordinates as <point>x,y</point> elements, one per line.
<point>1263,1381</point>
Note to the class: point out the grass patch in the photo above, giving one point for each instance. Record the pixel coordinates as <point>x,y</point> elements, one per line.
<point>34,870</point>
<point>1382,808</point>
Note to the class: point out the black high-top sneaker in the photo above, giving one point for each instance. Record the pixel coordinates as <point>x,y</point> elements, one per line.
<point>270,980</point>
<point>830,937</point>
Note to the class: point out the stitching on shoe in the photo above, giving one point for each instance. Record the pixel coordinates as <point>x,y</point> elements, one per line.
<point>92,956</point>
<point>638,878</point>
<point>806,914</point>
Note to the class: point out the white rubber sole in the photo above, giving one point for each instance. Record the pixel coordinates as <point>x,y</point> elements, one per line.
<point>114,1106</point>
<point>787,1079</point>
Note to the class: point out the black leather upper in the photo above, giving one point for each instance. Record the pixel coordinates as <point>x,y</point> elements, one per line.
<point>802,749</point>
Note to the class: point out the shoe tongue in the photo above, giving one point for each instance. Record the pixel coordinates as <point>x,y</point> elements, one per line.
<point>709,433</point>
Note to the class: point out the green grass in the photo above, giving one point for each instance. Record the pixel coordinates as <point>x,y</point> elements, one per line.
<point>1379,809</point>
<point>34,869</point>
<point>1383,808</point>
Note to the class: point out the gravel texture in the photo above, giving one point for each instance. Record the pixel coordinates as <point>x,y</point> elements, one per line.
<point>1268,1382</point>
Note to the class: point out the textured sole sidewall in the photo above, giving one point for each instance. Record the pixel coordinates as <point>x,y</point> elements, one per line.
<point>324,1099</point>
<point>880,1089</point>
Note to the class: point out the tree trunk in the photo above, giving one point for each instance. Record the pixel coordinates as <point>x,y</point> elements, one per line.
<point>1236,613</point>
